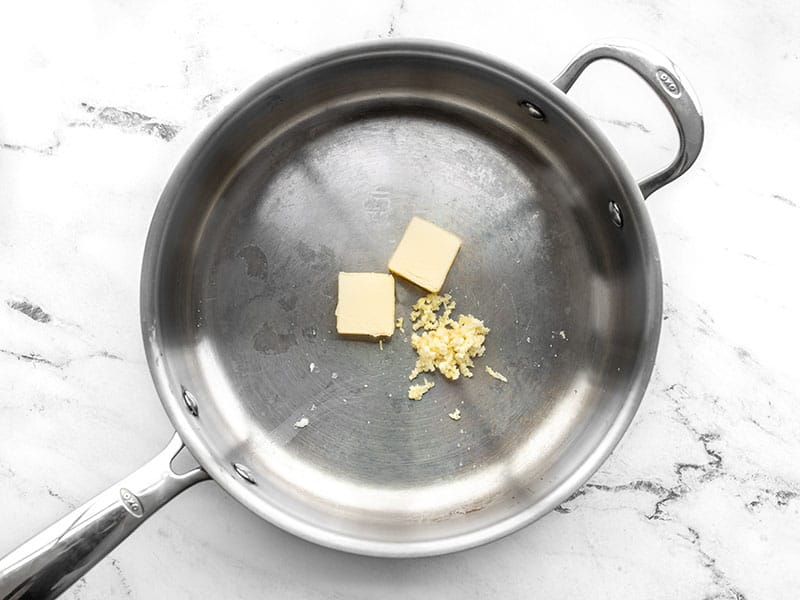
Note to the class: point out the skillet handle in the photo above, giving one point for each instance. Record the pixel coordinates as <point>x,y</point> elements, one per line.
<point>50,562</point>
<point>671,87</point>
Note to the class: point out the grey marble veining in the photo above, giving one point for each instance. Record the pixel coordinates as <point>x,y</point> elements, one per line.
<point>702,497</point>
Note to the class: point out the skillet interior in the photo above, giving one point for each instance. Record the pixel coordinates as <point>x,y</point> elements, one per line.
<point>318,170</point>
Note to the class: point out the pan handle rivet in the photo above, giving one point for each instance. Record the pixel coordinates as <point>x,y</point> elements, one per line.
<point>615,213</point>
<point>532,109</point>
<point>190,402</point>
<point>244,473</point>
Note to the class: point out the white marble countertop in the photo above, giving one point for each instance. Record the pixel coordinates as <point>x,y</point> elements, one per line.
<point>702,497</point>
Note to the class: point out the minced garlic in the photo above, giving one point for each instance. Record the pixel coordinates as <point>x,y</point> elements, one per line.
<point>424,311</point>
<point>496,375</point>
<point>416,391</point>
<point>445,344</point>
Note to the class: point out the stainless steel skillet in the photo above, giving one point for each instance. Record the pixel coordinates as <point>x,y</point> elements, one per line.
<point>316,170</point>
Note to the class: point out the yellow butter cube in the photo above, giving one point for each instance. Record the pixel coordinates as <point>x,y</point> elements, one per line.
<point>366,304</point>
<point>425,254</point>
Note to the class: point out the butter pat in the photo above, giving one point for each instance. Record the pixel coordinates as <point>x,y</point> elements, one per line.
<point>366,304</point>
<point>425,254</point>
